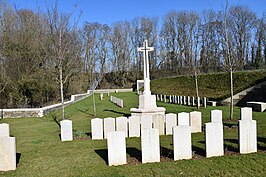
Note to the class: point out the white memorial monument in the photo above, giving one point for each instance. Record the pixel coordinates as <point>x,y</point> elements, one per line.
<point>147,101</point>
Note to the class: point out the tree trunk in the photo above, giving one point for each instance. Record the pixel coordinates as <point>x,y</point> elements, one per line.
<point>94,106</point>
<point>197,88</point>
<point>62,92</point>
<point>232,94</point>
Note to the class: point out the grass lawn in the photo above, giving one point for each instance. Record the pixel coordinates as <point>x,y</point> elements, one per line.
<point>41,153</point>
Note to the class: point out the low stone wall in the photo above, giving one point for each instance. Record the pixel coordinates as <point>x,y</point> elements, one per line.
<point>111,90</point>
<point>39,112</point>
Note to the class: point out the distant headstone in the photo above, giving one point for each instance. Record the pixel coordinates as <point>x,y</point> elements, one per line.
<point>66,130</point>
<point>122,125</point>
<point>182,142</point>
<point>178,99</point>
<point>247,136</point>
<point>108,126</point>
<point>4,130</point>
<point>170,98</point>
<point>158,123</point>
<point>165,98</point>
<point>246,113</point>
<point>184,100</point>
<point>170,122</point>
<point>7,153</point>
<point>214,139</point>
<point>188,101</point>
<point>134,126</point>
<point>96,129</point>
<point>101,96</point>
<point>181,100</point>
<point>193,101</point>
<point>204,102</point>
<point>216,116</point>
<point>183,118</point>
<point>195,121</point>
<point>116,143</point>
<point>198,101</point>
<point>161,98</point>
<point>146,122</point>
<point>150,145</point>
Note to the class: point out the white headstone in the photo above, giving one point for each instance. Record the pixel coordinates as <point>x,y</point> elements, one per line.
<point>108,126</point>
<point>193,101</point>
<point>198,101</point>
<point>214,139</point>
<point>158,123</point>
<point>134,126</point>
<point>183,118</point>
<point>121,125</point>
<point>170,98</point>
<point>161,97</point>
<point>188,101</point>
<point>146,122</point>
<point>96,129</point>
<point>182,142</point>
<point>246,113</point>
<point>7,153</point>
<point>204,102</point>
<point>247,136</point>
<point>4,130</point>
<point>195,121</point>
<point>170,122</point>
<point>116,143</point>
<point>150,145</point>
<point>184,100</point>
<point>178,99</point>
<point>216,116</point>
<point>66,130</point>
<point>165,98</point>
<point>181,100</point>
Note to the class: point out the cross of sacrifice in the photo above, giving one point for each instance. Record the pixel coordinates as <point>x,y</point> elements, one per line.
<point>145,49</point>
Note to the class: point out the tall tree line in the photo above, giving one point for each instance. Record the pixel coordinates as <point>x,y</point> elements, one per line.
<point>41,51</point>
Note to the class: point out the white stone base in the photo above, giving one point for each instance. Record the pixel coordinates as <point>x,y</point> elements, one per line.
<point>142,112</point>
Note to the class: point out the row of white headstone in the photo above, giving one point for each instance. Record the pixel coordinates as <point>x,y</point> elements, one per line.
<point>7,149</point>
<point>119,102</point>
<point>133,126</point>
<point>182,146</point>
<point>183,100</point>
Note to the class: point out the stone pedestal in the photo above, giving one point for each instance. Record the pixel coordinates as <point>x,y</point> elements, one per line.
<point>147,106</point>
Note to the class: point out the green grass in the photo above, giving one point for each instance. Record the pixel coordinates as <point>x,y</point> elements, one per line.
<point>43,154</point>
<point>215,86</point>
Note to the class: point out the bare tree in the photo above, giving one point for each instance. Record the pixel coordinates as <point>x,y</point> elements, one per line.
<point>65,46</point>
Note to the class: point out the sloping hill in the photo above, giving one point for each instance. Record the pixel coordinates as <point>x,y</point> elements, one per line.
<point>214,86</point>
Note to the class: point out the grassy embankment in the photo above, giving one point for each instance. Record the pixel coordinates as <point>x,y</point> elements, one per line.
<point>214,86</point>
<point>42,153</point>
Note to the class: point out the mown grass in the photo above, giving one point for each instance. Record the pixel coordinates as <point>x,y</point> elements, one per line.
<point>215,86</point>
<point>43,154</point>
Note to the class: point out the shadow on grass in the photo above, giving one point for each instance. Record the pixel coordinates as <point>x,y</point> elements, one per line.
<point>165,152</point>
<point>229,147</point>
<point>84,112</point>
<point>88,134</point>
<point>18,155</point>
<point>261,140</point>
<point>230,125</point>
<point>55,120</point>
<point>103,153</point>
<point>118,112</point>
<point>134,152</point>
<point>199,151</point>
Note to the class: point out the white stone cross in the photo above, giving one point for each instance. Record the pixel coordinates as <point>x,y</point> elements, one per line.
<point>145,49</point>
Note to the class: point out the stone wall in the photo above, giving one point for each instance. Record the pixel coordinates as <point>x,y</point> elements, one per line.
<point>39,112</point>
